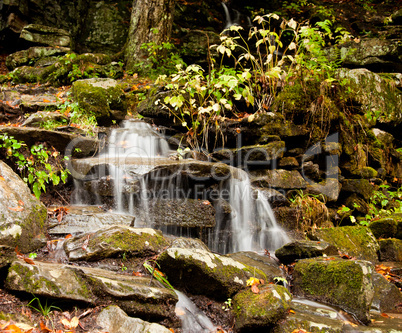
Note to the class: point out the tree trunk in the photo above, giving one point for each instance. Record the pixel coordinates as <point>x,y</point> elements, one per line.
<point>147,15</point>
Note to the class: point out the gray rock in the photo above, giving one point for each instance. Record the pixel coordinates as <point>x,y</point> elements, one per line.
<point>390,249</point>
<point>22,216</point>
<point>135,295</point>
<point>344,283</point>
<point>387,296</point>
<point>304,249</point>
<point>45,35</point>
<point>206,273</point>
<point>7,255</point>
<point>87,219</point>
<point>114,241</point>
<point>114,320</point>
<point>255,311</point>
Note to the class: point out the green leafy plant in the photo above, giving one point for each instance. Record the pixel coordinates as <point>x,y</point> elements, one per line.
<point>227,305</point>
<point>33,163</point>
<point>79,118</point>
<point>161,58</point>
<point>33,255</point>
<point>45,309</point>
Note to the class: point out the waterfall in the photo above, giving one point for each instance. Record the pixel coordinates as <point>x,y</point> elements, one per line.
<point>244,220</point>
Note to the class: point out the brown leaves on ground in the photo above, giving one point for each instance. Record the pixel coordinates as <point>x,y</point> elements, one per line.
<point>57,213</point>
<point>23,257</point>
<point>385,271</point>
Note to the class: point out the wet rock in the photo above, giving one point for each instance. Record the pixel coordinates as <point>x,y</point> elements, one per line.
<point>22,217</point>
<point>135,295</point>
<point>206,273</point>
<point>189,243</point>
<point>287,217</point>
<point>262,310</point>
<point>113,242</point>
<point>278,178</point>
<point>69,143</point>
<point>101,97</point>
<point>274,197</point>
<point>344,283</point>
<point>87,219</point>
<point>390,249</point>
<point>383,228</point>
<point>195,45</point>
<point>113,319</point>
<point>288,162</point>
<point>311,317</point>
<point>33,54</point>
<point>266,264</point>
<point>357,203</point>
<point>44,35</point>
<point>365,172</point>
<point>39,118</point>
<point>387,296</point>
<point>152,108</point>
<point>354,241</point>
<point>385,137</point>
<point>311,170</point>
<point>304,249</point>
<point>188,213</point>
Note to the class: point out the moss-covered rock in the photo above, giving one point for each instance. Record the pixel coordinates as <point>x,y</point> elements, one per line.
<point>7,255</point>
<point>101,97</point>
<point>206,273</point>
<point>385,105</point>
<point>114,241</point>
<point>39,118</point>
<point>383,228</point>
<point>390,249</point>
<point>22,216</point>
<point>304,249</point>
<point>33,54</point>
<point>138,296</point>
<point>354,241</point>
<point>345,283</point>
<point>266,264</point>
<point>359,186</point>
<point>262,310</point>
<point>278,178</point>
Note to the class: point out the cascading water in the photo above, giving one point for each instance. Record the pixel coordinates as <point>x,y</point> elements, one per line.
<point>131,150</point>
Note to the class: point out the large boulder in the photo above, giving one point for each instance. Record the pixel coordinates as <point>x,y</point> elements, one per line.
<point>256,311</point>
<point>22,216</point>
<point>344,283</point>
<point>206,273</point>
<point>103,98</point>
<point>113,319</point>
<point>278,178</point>
<point>390,249</point>
<point>385,105</point>
<point>114,241</point>
<point>383,228</point>
<point>44,35</point>
<point>138,296</point>
<point>354,241</point>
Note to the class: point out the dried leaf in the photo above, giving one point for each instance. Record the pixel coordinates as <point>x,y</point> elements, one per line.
<point>255,289</point>
<point>2,178</point>
<point>29,261</point>
<point>138,274</point>
<point>12,329</point>
<point>46,100</point>
<point>70,324</point>
<point>68,236</point>
<point>16,209</point>
<point>43,327</point>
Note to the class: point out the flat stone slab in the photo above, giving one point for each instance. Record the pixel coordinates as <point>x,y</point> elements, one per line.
<point>137,296</point>
<point>87,219</point>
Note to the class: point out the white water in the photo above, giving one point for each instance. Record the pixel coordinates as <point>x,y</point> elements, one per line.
<point>251,225</point>
<point>193,320</point>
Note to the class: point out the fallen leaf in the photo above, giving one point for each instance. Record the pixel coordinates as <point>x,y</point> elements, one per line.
<point>2,178</point>
<point>43,327</point>
<point>70,324</point>
<point>12,329</point>
<point>137,274</point>
<point>29,261</point>
<point>68,236</point>
<point>16,209</point>
<point>46,100</point>
<point>255,289</point>
<point>291,311</point>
